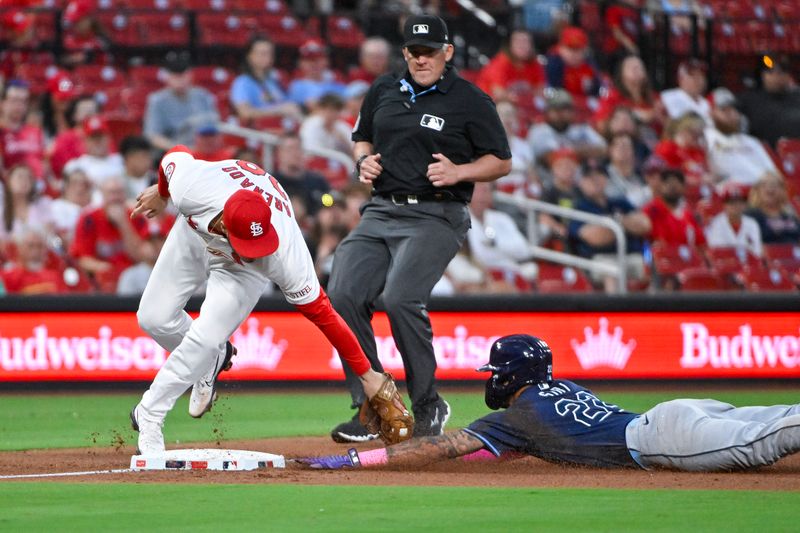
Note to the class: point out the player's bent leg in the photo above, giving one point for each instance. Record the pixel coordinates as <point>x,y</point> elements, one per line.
<point>179,271</point>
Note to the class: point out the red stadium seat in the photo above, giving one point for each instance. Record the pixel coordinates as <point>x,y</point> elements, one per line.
<point>699,279</point>
<point>283,29</point>
<point>94,78</point>
<point>162,29</point>
<point>767,279</point>
<point>668,260</point>
<point>213,78</point>
<point>146,76</point>
<point>783,255</point>
<point>554,278</point>
<point>276,7</point>
<point>121,30</point>
<point>729,263</point>
<point>208,5</point>
<point>343,32</point>
<point>218,29</point>
<point>122,127</point>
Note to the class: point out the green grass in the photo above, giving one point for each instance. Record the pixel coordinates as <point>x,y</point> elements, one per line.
<point>88,507</point>
<point>75,420</point>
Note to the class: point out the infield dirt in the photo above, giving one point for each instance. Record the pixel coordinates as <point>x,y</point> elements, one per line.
<point>527,472</point>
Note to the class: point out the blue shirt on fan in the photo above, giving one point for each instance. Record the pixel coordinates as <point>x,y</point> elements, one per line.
<point>564,423</point>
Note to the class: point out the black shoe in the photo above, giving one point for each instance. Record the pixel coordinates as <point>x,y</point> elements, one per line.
<point>352,431</point>
<point>431,419</point>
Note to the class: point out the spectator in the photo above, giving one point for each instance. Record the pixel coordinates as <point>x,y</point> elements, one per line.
<point>622,30</point>
<point>20,142</point>
<point>22,205</point>
<point>560,130</point>
<point>464,275</point>
<point>65,210</point>
<point>84,37</point>
<point>69,144</point>
<point>514,66</point>
<point>770,207</point>
<point>99,162</point>
<point>133,279</point>
<point>373,60</point>
<point>683,148</point>
<point>293,176</point>
<point>688,96</point>
<point>313,78</point>
<point>632,89</point>
<point>137,159</point>
<point>324,128</point>
<point>562,191</point>
<point>209,144</point>
<point>523,178</point>
<point>598,242</point>
<point>354,195</point>
<point>623,121</point>
<point>172,113</point>
<point>20,42</point>
<point>55,104</point>
<point>673,222</point>
<point>623,179</point>
<point>773,109</point>
<point>569,68</point>
<point>733,156</point>
<point>29,274</point>
<point>258,91</point>
<point>353,99</point>
<point>107,241</point>
<point>329,231</point>
<point>731,227</point>
<point>679,12</point>
<point>494,240</point>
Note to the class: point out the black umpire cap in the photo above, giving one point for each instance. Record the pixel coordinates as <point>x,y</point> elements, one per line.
<point>425,30</point>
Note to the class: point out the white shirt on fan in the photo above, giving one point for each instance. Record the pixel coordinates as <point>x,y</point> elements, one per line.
<point>737,158</point>
<point>720,234</point>
<point>678,102</point>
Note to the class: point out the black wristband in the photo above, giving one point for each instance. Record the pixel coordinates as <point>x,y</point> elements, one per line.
<point>358,164</point>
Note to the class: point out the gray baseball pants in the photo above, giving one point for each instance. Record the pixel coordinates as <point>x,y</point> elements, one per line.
<point>400,251</point>
<point>708,435</point>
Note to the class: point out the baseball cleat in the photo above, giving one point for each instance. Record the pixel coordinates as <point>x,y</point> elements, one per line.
<point>352,431</point>
<point>151,437</point>
<point>204,392</point>
<point>431,419</point>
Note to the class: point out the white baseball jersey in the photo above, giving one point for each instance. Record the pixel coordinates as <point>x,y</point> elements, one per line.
<point>199,190</point>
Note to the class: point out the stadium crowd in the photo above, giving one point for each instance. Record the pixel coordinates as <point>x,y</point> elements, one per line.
<point>704,182</point>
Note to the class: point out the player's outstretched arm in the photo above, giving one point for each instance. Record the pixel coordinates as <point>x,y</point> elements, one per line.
<point>412,453</point>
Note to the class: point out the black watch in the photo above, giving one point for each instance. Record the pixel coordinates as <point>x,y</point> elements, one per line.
<point>358,164</point>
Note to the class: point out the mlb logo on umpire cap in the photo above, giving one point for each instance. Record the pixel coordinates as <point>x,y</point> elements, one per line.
<point>425,30</point>
<point>432,122</point>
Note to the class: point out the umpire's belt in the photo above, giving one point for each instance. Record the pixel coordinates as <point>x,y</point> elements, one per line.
<point>406,199</point>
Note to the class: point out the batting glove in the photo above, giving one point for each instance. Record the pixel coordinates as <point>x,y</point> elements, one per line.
<point>333,462</point>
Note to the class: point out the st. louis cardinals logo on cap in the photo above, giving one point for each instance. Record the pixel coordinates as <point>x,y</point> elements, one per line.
<point>247,219</point>
<point>420,28</point>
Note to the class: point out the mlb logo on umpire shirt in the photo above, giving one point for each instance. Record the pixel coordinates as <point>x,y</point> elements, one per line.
<point>432,122</point>
<point>419,28</point>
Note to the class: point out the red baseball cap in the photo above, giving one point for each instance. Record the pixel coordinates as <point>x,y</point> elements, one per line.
<point>312,48</point>
<point>61,87</point>
<point>247,220</point>
<point>735,192</point>
<point>96,126</point>
<point>573,37</point>
<point>17,21</point>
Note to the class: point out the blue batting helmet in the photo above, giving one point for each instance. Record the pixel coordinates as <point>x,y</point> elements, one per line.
<point>516,361</point>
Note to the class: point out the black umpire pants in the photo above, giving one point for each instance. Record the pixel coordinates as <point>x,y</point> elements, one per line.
<point>400,251</point>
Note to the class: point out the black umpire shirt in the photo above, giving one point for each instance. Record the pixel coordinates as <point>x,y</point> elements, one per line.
<point>407,123</point>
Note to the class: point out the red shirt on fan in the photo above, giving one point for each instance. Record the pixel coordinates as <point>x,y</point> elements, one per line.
<point>96,236</point>
<point>502,72</point>
<point>66,146</point>
<point>673,228</point>
<point>19,280</point>
<point>624,18</point>
<point>24,145</point>
<point>690,159</point>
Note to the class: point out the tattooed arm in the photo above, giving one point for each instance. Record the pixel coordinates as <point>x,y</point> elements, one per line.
<point>424,450</point>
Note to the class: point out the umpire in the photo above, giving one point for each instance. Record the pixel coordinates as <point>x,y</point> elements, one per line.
<point>421,140</point>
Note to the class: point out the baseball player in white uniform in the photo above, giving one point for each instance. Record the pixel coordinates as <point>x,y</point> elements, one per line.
<point>238,231</point>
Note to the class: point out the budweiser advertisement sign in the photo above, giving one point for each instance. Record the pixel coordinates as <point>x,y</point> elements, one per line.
<point>284,346</point>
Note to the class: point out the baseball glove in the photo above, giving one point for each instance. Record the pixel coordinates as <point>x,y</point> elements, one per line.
<point>386,415</point>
